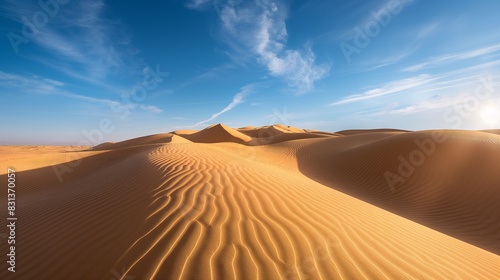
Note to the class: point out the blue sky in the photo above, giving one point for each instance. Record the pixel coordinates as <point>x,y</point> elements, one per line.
<point>73,71</point>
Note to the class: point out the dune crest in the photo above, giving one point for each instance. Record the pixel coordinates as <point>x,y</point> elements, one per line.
<point>145,140</point>
<point>216,134</point>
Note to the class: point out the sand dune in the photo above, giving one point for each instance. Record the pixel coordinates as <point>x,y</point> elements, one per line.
<point>270,131</point>
<point>494,131</point>
<point>450,186</point>
<point>146,140</point>
<point>220,208</point>
<point>362,131</point>
<point>278,133</point>
<point>248,135</point>
<point>216,134</point>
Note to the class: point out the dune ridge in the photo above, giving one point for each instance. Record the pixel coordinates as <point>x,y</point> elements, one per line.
<point>303,208</point>
<point>362,131</point>
<point>145,140</point>
<point>216,134</point>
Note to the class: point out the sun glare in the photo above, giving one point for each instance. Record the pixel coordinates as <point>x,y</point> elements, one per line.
<point>490,115</point>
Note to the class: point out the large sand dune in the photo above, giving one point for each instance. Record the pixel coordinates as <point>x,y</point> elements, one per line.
<point>221,203</point>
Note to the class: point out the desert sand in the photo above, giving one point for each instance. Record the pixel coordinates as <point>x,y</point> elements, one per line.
<point>273,202</point>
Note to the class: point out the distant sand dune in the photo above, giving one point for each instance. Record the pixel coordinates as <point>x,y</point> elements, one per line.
<point>151,209</point>
<point>271,130</point>
<point>146,140</point>
<point>362,131</point>
<point>217,133</point>
<point>494,131</point>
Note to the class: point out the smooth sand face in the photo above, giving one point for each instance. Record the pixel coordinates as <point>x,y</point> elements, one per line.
<point>259,203</point>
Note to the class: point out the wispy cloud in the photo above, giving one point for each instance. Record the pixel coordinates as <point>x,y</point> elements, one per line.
<point>197,4</point>
<point>393,58</point>
<point>438,102</point>
<point>427,30</point>
<point>150,108</point>
<point>38,85</point>
<point>440,91</point>
<point>387,7</point>
<point>209,74</point>
<point>259,28</point>
<point>34,84</point>
<point>389,88</point>
<point>400,53</point>
<point>237,99</point>
<point>425,83</point>
<point>447,93</point>
<point>378,10</point>
<point>455,57</point>
<point>77,37</point>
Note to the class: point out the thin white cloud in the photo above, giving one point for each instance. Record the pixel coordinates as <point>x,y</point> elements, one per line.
<point>56,83</point>
<point>428,29</point>
<point>425,105</point>
<point>388,8</point>
<point>39,85</point>
<point>445,90</point>
<point>381,10</point>
<point>209,74</point>
<point>438,103</point>
<point>150,108</point>
<point>455,57</point>
<point>197,4</point>
<point>237,99</point>
<point>424,83</point>
<point>389,88</point>
<point>449,93</point>
<point>258,28</point>
<point>77,37</point>
<point>392,59</point>
<point>32,84</point>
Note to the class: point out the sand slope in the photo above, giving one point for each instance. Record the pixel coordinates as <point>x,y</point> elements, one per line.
<point>216,134</point>
<point>280,211</point>
<point>145,140</point>
<point>451,186</point>
<point>363,131</point>
<point>494,131</point>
